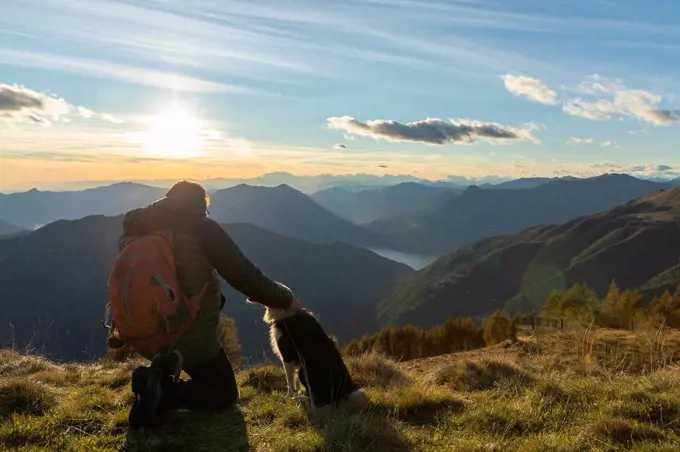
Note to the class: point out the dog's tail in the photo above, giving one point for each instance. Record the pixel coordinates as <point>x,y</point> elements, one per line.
<point>357,394</point>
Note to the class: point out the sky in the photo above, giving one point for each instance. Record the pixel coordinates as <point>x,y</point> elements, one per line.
<point>160,89</point>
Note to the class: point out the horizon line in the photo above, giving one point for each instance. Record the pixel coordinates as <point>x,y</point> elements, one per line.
<point>83,185</point>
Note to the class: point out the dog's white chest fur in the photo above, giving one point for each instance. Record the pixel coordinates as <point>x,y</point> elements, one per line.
<point>275,334</point>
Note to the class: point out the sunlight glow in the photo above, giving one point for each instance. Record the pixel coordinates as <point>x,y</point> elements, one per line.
<point>174,134</point>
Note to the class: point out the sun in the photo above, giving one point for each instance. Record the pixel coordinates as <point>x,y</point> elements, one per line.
<point>174,133</point>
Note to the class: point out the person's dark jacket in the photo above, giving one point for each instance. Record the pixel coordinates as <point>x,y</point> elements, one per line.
<point>205,251</point>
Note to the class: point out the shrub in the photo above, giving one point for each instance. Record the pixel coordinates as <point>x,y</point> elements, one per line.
<point>499,327</point>
<point>375,370</point>
<point>623,432</point>
<point>409,342</point>
<point>265,379</point>
<point>478,375</point>
<point>24,397</point>
<point>228,335</point>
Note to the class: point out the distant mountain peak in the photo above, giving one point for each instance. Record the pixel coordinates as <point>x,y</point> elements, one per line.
<point>614,176</point>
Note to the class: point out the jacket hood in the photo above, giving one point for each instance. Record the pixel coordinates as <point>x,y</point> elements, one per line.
<point>162,214</point>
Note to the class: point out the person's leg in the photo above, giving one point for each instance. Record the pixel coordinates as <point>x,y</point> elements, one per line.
<point>212,386</point>
<point>148,392</point>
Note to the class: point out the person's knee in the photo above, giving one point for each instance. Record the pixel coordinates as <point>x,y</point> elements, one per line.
<point>228,398</point>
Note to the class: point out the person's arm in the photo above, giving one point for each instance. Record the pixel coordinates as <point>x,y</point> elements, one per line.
<point>238,271</point>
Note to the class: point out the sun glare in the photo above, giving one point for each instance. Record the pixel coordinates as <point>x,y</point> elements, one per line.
<point>174,134</point>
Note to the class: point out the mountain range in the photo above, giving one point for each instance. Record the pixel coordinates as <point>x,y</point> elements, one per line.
<point>635,244</point>
<point>305,183</point>
<point>499,247</point>
<point>289,212</point>
<point>8,229</point>
<point>53,284</point>
<point>35,208</point>
<point>386,202</point>
<point>478,213</point>
<point>526,182</point>
<point>280,209</point>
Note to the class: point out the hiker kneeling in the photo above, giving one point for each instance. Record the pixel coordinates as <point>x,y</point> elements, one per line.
<point>165,300</point>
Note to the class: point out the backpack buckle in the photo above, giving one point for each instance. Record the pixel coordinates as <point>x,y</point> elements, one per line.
<point>171,361</point>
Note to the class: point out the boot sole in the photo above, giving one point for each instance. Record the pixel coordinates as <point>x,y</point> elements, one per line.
<point>146,388</point>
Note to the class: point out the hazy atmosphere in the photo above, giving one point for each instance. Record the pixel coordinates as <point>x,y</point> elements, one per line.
<point>340,226</point>
<point>120,90</point>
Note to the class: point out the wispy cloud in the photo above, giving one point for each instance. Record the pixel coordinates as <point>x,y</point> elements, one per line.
<point>51,156</point>
<point>645,170</point>
<point>233,40</point>
<point>20,104</point>
<point>610,99</point>
<point>577,140</point>
<point>586,141</point>
<point>530,88</point>
<point>431,131</point>
<point>242,42</point>
<point>495,15</point>
<point>113,71</point>
<point>605,99</point>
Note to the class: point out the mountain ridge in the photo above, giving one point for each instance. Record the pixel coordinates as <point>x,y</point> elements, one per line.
<point>290,212</point>
<point>478,213</point>
<point>34,208</point>
<point>8,228</point>
<point>54,284</point>
<point>375,203</point>
<point>633,244</point>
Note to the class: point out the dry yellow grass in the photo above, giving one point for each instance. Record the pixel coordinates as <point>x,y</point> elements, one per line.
<point>586,390</point>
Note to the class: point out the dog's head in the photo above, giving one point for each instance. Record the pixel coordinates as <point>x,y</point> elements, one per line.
<point>272,315</point>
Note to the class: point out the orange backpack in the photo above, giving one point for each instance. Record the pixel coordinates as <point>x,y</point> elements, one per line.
<point>149,310</point>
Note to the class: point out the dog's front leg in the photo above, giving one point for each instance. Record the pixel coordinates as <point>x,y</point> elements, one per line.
<point>290,378</point>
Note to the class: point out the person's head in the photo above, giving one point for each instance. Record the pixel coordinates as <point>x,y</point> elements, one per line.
<point>190,194</point>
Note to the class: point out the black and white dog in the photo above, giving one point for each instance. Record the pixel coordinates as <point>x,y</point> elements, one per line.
<point>301,344</point>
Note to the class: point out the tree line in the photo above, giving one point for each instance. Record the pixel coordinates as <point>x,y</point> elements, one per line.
<point>627,309</point>
<point>454,335</point>
<point>579,304</point>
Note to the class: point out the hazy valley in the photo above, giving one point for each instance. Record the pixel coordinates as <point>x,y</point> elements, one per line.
<point>465,264</point>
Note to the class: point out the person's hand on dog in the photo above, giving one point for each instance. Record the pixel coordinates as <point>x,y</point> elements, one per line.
<point>295,306</point>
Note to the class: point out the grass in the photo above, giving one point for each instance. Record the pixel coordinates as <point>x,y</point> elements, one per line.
<point>550,392</point>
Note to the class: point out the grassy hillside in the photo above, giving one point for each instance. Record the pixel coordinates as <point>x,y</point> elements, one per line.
<point>581,390</point>
<point>635,244</point>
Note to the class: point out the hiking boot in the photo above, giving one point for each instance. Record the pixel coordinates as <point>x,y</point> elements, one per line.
<point>146,386</point>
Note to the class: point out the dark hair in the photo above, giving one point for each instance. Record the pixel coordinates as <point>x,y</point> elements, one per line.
<point>190,192</point>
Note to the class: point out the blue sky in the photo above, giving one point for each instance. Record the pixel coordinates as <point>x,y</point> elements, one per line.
<point>99,90</point>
